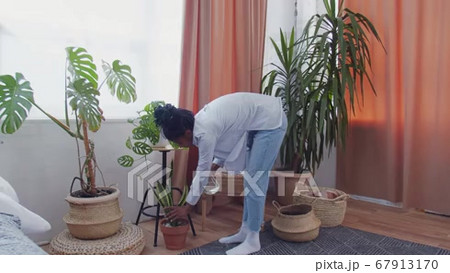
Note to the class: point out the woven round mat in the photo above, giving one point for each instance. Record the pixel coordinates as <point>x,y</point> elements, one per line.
<point>129,240</point>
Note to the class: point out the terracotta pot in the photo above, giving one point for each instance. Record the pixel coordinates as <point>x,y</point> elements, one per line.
<point>94,218</point>
<point>174,237</point>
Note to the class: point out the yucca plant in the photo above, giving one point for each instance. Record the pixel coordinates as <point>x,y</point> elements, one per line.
<point>291,80</point>
<point>332,61</point>
<point>338,41</point>
<point>164,196</point>
<point>81,95</point>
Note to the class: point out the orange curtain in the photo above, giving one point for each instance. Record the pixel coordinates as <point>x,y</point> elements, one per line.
<point>397,148</point>
<point>223,46</point>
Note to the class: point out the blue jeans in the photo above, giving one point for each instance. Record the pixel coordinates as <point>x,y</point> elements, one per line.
<point>264,146</point>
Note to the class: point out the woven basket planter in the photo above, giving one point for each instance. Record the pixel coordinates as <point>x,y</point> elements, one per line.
<point>330,211</point>
<point>295,223</point>
<point>94,218</point>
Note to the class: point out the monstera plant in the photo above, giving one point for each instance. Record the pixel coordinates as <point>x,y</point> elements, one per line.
<point>82,90</point>
<point>81,95</point>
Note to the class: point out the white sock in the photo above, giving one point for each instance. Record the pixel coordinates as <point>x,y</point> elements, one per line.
<point>251,244</point>
<point>236,238</point>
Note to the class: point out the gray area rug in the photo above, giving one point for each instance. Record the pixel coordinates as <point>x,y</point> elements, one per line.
<point>331,241</point>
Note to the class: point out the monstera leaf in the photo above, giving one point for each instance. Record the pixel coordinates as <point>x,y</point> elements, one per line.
<point>81,65</point>
<point>141,148</point>
<point>82,96</point>
<point>120,81</point>
<point>125,161</point>
<point>16,98</point>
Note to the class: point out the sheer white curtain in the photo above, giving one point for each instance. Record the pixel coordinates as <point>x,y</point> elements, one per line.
<point>143,34</point>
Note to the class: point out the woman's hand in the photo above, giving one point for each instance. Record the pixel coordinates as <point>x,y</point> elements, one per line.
<point>177,212</point>
<point>214,167</point>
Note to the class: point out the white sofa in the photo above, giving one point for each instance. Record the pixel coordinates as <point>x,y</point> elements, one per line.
<point>16,222</point>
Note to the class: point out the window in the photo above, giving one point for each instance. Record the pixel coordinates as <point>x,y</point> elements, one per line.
<point>144,34</point>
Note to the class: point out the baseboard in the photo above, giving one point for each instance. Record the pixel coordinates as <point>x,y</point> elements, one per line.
<point>376,201</point>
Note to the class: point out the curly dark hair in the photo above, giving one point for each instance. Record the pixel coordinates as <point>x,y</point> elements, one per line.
<point>173,121</point>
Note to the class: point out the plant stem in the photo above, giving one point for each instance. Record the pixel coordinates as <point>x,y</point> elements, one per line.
<point>78,146</point>
<point>90,176</point>
<point>66,111</point>
<point>107,76</point>
<point>55,120</point>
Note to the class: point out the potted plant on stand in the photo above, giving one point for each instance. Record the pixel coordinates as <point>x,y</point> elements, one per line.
<point>146,135</point>
<point>94,211</point>
<point>320,77</point>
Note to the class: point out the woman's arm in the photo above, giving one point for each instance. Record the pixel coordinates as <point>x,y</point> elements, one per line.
<point>182,212</point>
<point>206,146</point>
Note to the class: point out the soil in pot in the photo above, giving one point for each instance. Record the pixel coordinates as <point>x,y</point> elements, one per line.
<point>296,210</point>
<point>175,237</point>
<point>100,192</point>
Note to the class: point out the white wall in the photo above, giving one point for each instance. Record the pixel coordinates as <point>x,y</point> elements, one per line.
<point>306,9</point>
<point>280,14</point>
<point>40,161</point>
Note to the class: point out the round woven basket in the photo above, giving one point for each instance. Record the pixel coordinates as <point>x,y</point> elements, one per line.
<point>129,240</point>
<point>94,218</point>
<point>331,212</point>
<point>296,223</point>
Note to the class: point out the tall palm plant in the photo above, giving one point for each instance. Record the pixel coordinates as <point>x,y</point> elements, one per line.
<point>333,63</point>
<point>290,80</point>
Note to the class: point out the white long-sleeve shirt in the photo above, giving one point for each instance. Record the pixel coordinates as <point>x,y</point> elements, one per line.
<point>220,132</point>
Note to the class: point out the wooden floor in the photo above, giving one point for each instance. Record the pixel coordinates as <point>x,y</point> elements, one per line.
<point>410,225</point>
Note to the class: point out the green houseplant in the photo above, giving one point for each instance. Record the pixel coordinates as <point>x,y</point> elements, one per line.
<point>320,79</point>
<point>81,96</point>
<point>146,135</point>
<point>174,231</point>
<point>290,81</point>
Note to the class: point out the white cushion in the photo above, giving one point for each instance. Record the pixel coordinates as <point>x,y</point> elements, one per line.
<point>31,223</point>
<point>7,189</point>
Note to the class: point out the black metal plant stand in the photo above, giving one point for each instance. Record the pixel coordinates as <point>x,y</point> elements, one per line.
<point>158,207</point>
